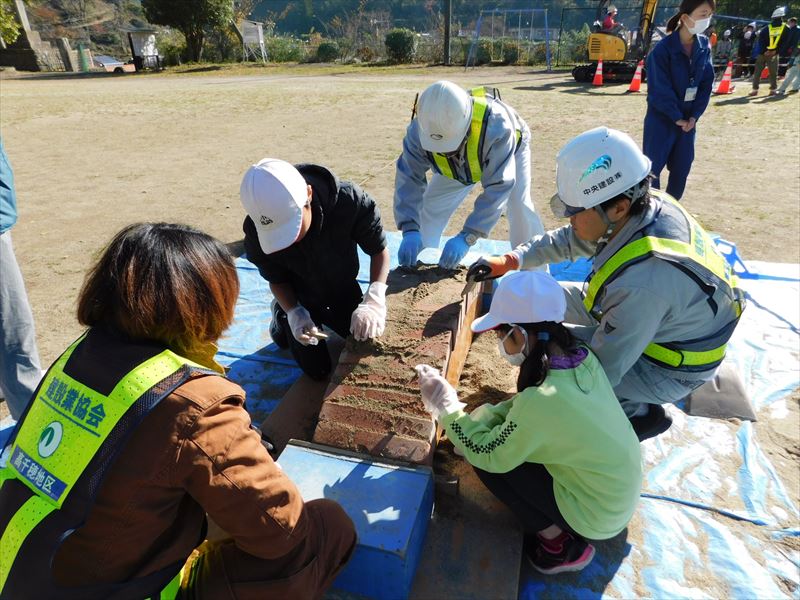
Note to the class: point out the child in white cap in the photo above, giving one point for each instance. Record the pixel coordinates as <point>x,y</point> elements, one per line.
<point>301,232</point>
<point>561,454</point>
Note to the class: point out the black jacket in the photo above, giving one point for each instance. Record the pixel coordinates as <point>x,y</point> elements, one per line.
<point>323,266</point>
<point>792,37</point>
<point>783,41</point>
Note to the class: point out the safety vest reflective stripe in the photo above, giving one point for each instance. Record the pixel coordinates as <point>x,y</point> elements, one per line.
<point>172,589</point>
<point>475,140</point>
<point>21,524</point>
<point>477,131</point>
<point>700,250</point>
<point>775,36</point>
<point>86,435</point>
<point>679,358</point>
<point>54,444</point>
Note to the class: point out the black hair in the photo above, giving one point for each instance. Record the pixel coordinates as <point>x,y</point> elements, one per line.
<point>637,207</point>
<point>165,282</point>
<point>687,7</point>
<point>536,366</point>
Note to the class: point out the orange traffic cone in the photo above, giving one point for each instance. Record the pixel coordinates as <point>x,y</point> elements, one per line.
<point>598,74</point>
<point>725,86</point>
<point>636,82</point>
<point>765,74</point>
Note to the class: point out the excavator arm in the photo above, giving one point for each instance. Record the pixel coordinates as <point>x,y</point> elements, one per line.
<point>644,33</point>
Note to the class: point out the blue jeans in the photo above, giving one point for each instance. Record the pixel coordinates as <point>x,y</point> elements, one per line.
<point>20,369</point>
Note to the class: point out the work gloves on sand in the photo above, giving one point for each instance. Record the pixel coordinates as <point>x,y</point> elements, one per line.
<point>303,328</point>
<point>454,250</point>
<point>369,318</point>
<point>438,396</point>
<point>492,267</point>
<point>409,249</point>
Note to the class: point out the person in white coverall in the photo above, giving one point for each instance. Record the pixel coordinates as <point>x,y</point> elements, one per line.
<point>660,302</point>
<point>464,138</point>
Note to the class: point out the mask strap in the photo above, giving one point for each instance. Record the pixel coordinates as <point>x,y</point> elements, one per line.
<point>524,350</point>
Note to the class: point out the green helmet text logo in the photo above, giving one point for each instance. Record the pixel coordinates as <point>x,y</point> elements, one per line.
<point>604,162</point>
<point>50,439</point>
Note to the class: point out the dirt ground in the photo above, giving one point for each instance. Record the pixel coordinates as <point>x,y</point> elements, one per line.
<point>92,154</point>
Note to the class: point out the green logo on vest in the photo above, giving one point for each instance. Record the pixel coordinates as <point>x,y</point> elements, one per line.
<point>50,439</point>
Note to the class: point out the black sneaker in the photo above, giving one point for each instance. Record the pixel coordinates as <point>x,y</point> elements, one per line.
<point>560,555</point>
<point>654,423</point>
<point>276,332</point>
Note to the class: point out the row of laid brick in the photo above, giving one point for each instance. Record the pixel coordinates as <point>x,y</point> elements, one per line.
<point>373,404</point>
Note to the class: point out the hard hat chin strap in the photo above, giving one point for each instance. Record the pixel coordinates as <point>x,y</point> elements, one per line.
<point>610,226</point>
<point>634,194</point>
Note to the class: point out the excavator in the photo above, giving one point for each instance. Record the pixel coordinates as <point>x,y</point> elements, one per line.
<point>619,56</point>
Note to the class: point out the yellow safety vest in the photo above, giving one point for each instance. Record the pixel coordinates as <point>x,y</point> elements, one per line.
<point>475,140</point>
<point>775,36</point>
<point>59,455</point>
<point>675,236</point>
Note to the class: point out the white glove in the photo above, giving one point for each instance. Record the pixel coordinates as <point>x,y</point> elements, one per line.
<point>369,318</point>
<point>302,326</point>
<point>438,395</point>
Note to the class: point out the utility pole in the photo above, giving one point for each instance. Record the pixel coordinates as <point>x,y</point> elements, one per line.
<point>448,14</point>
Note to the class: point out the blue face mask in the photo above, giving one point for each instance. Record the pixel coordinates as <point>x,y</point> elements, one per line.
<point>518,358</point>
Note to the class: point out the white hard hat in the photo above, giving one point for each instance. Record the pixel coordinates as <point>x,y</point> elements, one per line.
<point>779,12</point>
<point>444,111</point>
<point>726,33</point>
<point>611,9</point>
<point>274,193</point>
<point>596,166</point>
<point>524,297</point>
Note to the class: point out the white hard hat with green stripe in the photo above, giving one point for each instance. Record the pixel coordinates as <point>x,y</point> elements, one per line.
<point>596,166</point>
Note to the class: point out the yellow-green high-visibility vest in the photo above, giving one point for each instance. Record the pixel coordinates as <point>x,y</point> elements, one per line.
<point>475,140</point>
<point>775,35</point>
<point>676,237</point>
<point>58,457</point>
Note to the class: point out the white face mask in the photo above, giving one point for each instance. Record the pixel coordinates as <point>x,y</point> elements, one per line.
<point>699,26</point>
<point>748,35</point>
<point>518,358</point>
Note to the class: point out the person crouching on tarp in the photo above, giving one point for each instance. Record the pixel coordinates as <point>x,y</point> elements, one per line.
<point>560,454</point>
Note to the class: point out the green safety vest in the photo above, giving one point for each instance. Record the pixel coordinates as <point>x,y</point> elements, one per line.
<point>775,36</point>
<point>475,140</point>
<point>675,236</point>
<point>58,457</point>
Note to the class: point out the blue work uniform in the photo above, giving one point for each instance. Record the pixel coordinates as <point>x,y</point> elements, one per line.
<point>678,87</point>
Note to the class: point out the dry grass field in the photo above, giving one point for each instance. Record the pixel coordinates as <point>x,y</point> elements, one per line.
<point>92,154</point>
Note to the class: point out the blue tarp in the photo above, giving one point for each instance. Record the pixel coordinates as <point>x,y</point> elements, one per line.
<point>715,512</point>
<point>715,515</point>
<point>248,349</point>
<point>714,509</point>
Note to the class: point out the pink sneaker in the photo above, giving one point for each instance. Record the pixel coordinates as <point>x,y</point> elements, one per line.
<point>753,93</point>
<point>560,555</point>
